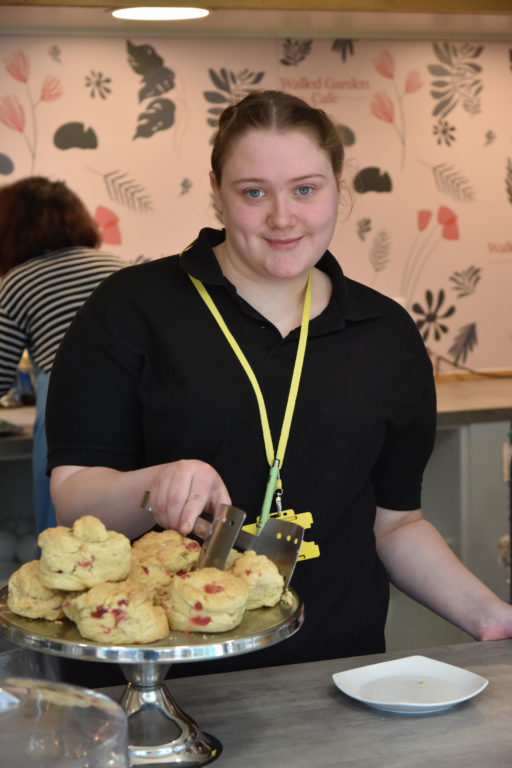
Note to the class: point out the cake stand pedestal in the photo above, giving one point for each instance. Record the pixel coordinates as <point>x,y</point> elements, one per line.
<point>160,732</point>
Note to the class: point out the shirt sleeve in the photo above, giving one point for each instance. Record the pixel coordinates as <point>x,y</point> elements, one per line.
<point>93,413</point>
<point>398,473</point>
<point>12,343</point>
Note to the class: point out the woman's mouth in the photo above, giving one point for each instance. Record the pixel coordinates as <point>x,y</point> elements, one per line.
<point>283,243</point>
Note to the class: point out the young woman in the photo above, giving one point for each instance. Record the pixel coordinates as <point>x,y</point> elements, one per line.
<point>162,401</point>
<point>49,264</point>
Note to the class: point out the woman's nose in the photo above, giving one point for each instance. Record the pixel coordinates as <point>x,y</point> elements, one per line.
<point>281,213</point>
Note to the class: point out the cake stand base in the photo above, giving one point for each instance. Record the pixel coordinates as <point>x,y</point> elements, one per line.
<point>160,733</point>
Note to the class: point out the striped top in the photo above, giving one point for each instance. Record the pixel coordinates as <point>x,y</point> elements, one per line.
<point>38,300</point>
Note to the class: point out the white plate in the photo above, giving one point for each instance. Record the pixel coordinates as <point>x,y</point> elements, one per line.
<point>415,684</point>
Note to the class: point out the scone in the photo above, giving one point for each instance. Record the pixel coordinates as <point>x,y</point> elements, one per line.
<point>28,596</point>
<point>206,600</point>
<point>262,577</point>
<point>175,552</point>
<point>120,612</point>
<point>148,570</point>
<point>79,557</point>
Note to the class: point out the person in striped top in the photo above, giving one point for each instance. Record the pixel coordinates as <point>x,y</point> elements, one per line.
<point>50,263</point>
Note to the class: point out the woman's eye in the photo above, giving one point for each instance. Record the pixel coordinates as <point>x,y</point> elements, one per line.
<point>304,189</point>
<point>254,194</point>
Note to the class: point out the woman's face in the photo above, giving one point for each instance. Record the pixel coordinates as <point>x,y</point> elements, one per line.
<point>279,200</point>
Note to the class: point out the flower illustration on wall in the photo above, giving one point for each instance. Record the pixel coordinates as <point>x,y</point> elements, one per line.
<point>98,84</point>
<point>431,316</point>
<point>383,107</point>
<point>444,132</point>
<point>430,233</point>
<point>12,112</point>
<point>107,222</point>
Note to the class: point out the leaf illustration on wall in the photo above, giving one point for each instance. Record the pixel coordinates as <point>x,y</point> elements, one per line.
<point>453,183</point>
<point>75,136</point>
<point>372,179</point>
<point>231,87</point>
<point>465,341</point>
<point>6,165</point>
<point>295,51</point>
<point>379,252</point>
<point>126,191</point>
<point>456,77</point>
<point>54,53</point>
<point>145,61</point>
<point>347,135</point>
<point>186,186</point>
<point>363,227</point>
<point>465,281</point>
<point>490,136</point>
<point>508,180</point>
<point>159,116</point>
<point>344,46</point>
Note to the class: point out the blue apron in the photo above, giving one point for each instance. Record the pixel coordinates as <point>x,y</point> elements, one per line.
<point>44,512</point>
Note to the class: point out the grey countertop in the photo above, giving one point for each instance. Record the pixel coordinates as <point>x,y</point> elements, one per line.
<point>294,716</point>
<point>17,446</point>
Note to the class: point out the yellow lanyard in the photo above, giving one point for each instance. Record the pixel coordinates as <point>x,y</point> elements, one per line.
<point>275,460</point>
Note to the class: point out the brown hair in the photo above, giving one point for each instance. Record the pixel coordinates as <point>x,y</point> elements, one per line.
<point>38,216</point>
<point>277,111</point>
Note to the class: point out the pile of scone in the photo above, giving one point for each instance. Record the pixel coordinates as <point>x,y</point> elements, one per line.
<point>117,592</point>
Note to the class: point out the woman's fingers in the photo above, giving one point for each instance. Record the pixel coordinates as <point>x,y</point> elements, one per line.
<point>182,490</point>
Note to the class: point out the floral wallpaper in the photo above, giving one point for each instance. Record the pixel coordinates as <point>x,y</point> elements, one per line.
<point>426,211</point>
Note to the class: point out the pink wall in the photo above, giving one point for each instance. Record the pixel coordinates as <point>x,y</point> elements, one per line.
<point>427,210</point>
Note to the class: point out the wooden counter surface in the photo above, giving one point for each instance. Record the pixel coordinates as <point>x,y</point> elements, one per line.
<point>464,401</point>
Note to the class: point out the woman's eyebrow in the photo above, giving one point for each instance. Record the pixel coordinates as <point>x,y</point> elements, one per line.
<point>257,180</point>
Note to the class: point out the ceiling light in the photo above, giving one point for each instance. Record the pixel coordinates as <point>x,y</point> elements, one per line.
<point>159,14</point>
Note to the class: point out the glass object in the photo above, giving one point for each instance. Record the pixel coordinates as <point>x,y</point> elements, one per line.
<point>54,725</point>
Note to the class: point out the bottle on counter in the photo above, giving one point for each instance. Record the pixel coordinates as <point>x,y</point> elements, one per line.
<point>25,382</point>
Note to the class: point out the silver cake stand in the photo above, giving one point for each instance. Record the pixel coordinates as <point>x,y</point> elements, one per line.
<point>160,732</point>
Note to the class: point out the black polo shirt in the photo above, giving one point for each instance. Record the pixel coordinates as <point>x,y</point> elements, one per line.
<point>145,376</point>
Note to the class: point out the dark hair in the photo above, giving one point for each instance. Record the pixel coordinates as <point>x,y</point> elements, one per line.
<point>278,111</point>
<point>38,216</point>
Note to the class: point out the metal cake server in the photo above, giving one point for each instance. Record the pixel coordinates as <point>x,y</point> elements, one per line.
<point>279,540</point>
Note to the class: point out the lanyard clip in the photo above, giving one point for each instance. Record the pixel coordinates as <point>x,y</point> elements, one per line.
<point>279,493</point>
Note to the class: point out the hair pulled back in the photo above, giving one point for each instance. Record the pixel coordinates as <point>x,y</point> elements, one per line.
<point>276,111</point>
<point>38,216</point>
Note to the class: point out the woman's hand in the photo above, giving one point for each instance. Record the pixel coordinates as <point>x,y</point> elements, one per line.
<point>181,490</point>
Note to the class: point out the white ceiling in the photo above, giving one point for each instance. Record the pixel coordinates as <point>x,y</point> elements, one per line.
<point>24,20</point>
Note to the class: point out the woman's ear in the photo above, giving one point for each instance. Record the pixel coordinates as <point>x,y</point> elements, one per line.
<point>215,194</point>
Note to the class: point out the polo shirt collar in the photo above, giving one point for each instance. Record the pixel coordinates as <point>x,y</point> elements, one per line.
<point>346,304</point>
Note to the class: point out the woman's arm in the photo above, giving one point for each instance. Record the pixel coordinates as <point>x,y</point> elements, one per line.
<point>421,564</point>
<point>179,492</point>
